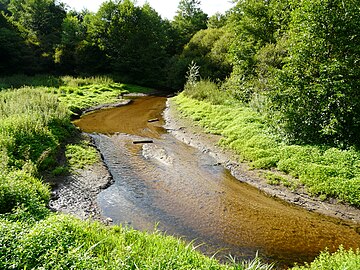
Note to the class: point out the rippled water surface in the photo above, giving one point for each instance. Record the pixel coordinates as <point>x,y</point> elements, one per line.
<point>185,192</point>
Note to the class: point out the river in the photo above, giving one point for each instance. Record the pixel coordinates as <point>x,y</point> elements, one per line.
<point>184,192</point>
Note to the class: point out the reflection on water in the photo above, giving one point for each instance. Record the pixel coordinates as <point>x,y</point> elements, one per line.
<point>187,194</point>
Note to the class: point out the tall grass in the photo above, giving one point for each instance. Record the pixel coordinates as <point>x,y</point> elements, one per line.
<point>21,80</point>
<point>32,122</point>
<point>64,242</point>
<point>326,172</point>
<point>341,259</point>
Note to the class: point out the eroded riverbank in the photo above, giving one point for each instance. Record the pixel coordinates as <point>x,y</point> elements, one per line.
<point>190,194</point>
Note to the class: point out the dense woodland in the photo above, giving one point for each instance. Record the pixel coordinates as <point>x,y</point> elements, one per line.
<point>298,59</point>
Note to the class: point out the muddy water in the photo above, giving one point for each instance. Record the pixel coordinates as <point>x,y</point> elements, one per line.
<point>184,192</point>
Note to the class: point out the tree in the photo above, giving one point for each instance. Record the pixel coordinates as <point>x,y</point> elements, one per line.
<point>317,91</point>
<point>4,6</point>
<point>133,38</point>
<point>217,20</point>
<point>189,20</point>
<point>41,23</point>
<point>15,54</point>
<point>254,24</point>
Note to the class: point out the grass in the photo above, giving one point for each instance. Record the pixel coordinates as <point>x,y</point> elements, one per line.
<point>64,242</point>
<point>81,155</point>
<point>326,172</point>
<point>341,259</point>
<point>34,123</point>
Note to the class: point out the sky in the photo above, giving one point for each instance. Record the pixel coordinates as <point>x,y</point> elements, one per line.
<point>166,8</point>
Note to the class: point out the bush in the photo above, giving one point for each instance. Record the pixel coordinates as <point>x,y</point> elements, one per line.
<point>316,92</point>
<point>207,91</point>
<point>342,259</point>
<point>20,190</point>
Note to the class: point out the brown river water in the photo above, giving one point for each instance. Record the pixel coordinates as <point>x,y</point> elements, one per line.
<point>184,192</point>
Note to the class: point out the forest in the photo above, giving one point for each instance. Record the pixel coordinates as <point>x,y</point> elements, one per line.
<point>297,59</point>
<point>291,66</point>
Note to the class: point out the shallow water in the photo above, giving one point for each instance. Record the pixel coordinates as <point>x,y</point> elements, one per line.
<point>184,192</point>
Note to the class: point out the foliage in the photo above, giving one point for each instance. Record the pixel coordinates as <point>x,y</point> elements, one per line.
<point>15,54</point>
<point>189,19</point>
<point>325,171</point>
<point>60,241</point>
<point>81,155</point>
<point>20,192</point>
<point>316,91</point>
<point>342,259</point>
<point>41,23</point>
<point>209,49</point>
<point>255,24</point>
<point>20,80</point>
<point>133,38</point>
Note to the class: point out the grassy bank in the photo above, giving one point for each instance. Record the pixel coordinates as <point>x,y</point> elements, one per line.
<point>34,126</point>
<point>325,172</point>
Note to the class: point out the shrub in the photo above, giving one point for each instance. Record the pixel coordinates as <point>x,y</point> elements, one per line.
<point>21,192</point>
<point>342,259</point>
<point>316,93</point>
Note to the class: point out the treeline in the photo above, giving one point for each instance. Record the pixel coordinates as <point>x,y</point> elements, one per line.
<point>296,61</point>
<point>121,39</point>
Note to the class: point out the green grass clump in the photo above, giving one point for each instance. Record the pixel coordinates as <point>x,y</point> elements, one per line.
<point>81,155</point>
<point>62,241</point>
<point>82,81</point>
<point>32,123</point>
<point>207,90</point>
<point>342,259</point>
<point>78,98</point>
<point>326,172</point>
<point>19,190</point>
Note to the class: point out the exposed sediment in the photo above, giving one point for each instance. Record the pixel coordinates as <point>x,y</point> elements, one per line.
<point>76,193</point>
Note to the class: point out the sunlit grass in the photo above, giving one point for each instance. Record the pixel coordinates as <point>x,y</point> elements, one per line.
<point>326,172</point>
<point>342,259</point>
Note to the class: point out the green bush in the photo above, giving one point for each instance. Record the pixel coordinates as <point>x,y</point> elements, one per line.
<point>21,192</point>
<point>206,90</point>
<point>342,259</point>
<point>316,96</point>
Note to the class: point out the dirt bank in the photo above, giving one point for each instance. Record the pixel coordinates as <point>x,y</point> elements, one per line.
<point>76,192</point>
<point>186,130</point>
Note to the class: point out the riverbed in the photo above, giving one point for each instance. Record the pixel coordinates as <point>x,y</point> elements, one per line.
<point>169,185</point>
